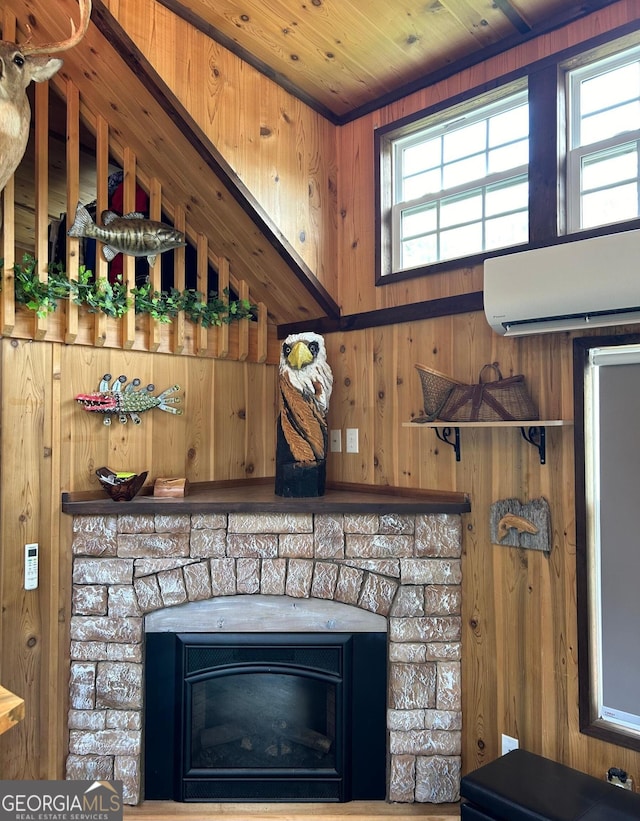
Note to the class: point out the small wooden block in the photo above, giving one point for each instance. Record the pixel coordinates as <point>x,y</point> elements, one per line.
<point>171,487</point>
<point>11,709</point>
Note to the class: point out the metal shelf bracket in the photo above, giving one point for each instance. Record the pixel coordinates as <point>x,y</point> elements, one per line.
<point>536,436</point>
<point>445,436</point>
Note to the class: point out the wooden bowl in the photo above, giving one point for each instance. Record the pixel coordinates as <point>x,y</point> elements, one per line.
<point>121,488</point>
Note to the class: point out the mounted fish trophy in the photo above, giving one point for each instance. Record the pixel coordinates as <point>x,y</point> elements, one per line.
<point>131,234</point>
<point>19,65</point>
<point>305,382</point>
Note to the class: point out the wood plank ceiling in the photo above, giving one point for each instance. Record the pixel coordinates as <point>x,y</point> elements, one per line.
<point>345,57</point>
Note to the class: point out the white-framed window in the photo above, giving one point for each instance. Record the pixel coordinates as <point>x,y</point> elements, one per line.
<point>459,181</point>
<point>603,141</point>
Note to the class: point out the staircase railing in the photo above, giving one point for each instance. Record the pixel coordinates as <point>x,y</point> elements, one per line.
<point>71,323</point>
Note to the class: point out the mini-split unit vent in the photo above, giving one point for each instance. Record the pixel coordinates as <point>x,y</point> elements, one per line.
<point>590,283</point>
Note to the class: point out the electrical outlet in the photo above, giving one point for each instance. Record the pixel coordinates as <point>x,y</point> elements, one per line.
<point>619,778</point>
<point>352,440</point>
<point>509,743</point>
<point>335,441</point>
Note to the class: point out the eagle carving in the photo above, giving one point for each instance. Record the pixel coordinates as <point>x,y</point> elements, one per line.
<point>305,383</point>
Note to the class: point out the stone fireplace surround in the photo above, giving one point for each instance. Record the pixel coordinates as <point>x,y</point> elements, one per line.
<point>403,566</point>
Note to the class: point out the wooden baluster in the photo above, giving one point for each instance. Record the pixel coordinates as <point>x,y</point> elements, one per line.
<point>263,340</point>
<point>129,262</point>
<point>155,271</point>
<point>41,105</point>
<point>179,222</point>
<point>102,200</point>
<point>223,285</point>
<point>201,333</point>
<point>243,330</point>
<point>73,195</point>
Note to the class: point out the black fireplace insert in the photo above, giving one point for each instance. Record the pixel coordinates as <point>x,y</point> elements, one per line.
<point>265,716</point>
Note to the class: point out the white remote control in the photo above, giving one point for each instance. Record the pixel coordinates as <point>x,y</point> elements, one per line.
<point>30,566</point>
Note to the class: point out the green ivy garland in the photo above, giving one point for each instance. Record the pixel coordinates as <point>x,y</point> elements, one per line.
<point>114,300</point>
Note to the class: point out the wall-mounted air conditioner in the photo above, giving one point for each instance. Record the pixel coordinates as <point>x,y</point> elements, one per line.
<point>584,284</point>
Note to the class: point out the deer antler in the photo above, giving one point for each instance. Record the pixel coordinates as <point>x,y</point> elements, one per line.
<point>70,42</point>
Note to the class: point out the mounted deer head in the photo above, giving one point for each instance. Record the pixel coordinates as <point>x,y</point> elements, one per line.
<point>19,65</point>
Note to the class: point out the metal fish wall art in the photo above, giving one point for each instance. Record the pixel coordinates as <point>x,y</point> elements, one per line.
<point>130,234</point>
<point>127,400</point>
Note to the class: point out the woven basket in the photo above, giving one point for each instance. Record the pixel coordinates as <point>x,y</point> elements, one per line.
<point>489,401</point>
<point>436,388</point>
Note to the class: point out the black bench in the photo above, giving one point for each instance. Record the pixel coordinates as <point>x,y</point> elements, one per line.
<point>522,786</point>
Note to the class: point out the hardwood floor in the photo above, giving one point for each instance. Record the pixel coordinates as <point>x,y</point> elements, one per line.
<point>351,811</point>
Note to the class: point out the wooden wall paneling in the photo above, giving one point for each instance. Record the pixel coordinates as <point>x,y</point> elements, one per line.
<point>41,182</point>
<point>260,442</point>
<point>73,196</point>
<point>55,574</point>
<point>431,344</point>
<point>167,446</point>
<point>356,223</point>
<point>86,445</point>
<point>385,406</point>
<point>229,420</point>
<point>130,444</point>
<point>155,271</point>
<point>200,403</point>
<point>26,386</point>
<point>352,406</point>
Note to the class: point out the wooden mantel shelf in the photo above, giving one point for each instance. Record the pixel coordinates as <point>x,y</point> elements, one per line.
<point>257,496</point>
<point>11,709</point>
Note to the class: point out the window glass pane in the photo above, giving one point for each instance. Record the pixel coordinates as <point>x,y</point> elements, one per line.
<point>503,198</point>
<point>464,141</point>
<point>458,173</point>
<point>512,229</point>
<point>509,156</point>
<point>510,125</point>
<point>610,122</point>
<point>441,179</point>
<point>421,221</point>
<point>610,89</point>
<point>461,209</point>
<point>610,167</point>
<point>604,129</point>
<point>460,242</point>
<point>612,205</point>
<point>422,184</point>
<point>420,251</point>
<point>419,157</point>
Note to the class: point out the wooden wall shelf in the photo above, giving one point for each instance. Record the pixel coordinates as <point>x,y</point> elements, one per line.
<point>257,496</point>
<point>533,431</point>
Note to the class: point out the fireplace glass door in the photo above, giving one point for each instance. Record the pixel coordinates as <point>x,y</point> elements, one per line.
<point>265,717</point>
